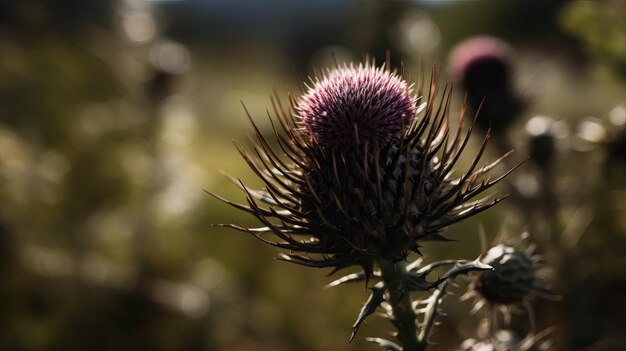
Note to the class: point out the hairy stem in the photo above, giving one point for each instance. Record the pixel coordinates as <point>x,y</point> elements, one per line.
<point>404,317</point>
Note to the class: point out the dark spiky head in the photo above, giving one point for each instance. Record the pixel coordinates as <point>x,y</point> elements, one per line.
<point>357,104</point>
<point>337,204</point>
<point>512,278</point>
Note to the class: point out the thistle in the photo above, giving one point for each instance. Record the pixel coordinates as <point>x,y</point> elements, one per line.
<point>361,173</point>
<point>482,66</point>
<point>357,175</point>
<point>517,277</point>
<point>512,278</point>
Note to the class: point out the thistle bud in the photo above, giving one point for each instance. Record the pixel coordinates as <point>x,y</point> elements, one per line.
<point>542,143</point>
<point>512,278</point>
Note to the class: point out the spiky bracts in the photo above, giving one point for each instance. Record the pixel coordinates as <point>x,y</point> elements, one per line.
<point>518,275</point>
<point>338,204</point>
<point>512,278</point>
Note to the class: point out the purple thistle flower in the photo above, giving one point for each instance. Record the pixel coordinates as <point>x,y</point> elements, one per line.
<point>355,176</point>
<point>482,66</point>
<point>481,55</point>
<point>357,104</point>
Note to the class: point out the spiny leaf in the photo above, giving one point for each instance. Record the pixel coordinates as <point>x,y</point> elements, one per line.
<point>385,344</point>
<point>431,311</point>
<point>375,299</point>
<point>431,266</point>
<point>417,282</point>
<point>415,265</point>
<point>350,278</point>
<point>464,268</point>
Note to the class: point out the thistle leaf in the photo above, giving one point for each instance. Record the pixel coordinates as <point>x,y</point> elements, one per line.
<point>376,298</point>
<point>350,278</point>
<point>464,268</point>
<point>385,344</point>
<point>431,266</point>
<point>417,282</point>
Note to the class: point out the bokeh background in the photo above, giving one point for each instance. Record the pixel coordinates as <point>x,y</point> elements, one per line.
<point>116,114</point>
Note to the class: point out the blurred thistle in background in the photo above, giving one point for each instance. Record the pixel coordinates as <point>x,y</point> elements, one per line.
<point>482,66</point>
<point>115,114</point>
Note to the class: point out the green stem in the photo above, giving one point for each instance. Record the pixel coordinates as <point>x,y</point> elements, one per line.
<point>403,313</point>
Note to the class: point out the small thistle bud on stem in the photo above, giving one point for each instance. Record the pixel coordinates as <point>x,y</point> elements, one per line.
<point>512,278</point>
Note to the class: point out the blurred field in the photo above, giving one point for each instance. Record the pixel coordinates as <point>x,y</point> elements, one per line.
<point>116,115</point>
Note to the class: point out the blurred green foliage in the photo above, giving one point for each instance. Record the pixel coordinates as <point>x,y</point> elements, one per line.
<point>601,26</point>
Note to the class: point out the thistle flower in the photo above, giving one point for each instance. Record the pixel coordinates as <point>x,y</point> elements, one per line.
<point>359,172</point>
<point>357,104</point>
<point>482,66</point>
